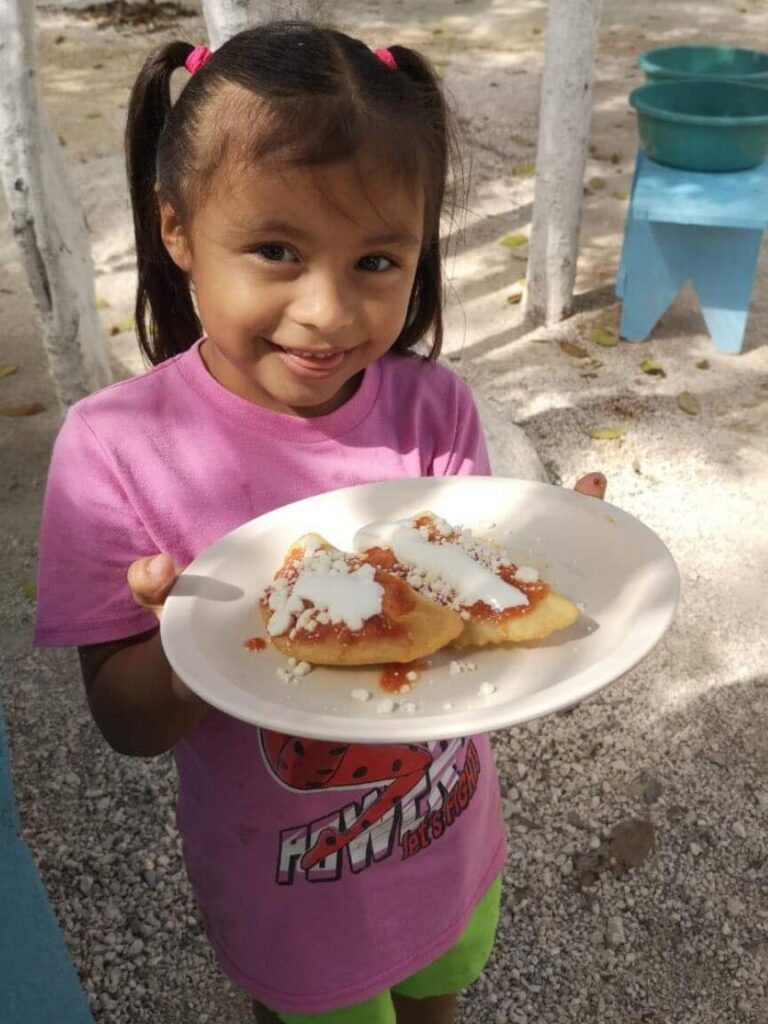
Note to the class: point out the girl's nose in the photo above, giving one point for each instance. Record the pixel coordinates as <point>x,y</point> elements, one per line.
<point>325,303</point>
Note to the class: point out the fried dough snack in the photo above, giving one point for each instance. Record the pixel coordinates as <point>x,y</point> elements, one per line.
<point>540,613</point>
<point>335,628</point>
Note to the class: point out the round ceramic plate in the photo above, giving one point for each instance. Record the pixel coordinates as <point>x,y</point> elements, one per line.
<point>617,570</point>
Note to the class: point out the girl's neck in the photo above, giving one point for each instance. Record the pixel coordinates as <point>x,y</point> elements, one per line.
<point>229,377</point>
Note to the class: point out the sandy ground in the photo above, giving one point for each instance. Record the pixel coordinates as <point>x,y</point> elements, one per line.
<point>676,931</point>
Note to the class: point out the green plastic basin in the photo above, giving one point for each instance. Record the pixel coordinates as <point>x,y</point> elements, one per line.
<point>703,125</point>
<point>721,62</point>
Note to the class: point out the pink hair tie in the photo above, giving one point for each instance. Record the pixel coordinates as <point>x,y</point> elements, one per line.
<point>197,59</point>
<point>386,58</point>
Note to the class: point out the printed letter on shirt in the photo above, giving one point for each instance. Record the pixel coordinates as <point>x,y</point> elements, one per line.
<point>413,794</point>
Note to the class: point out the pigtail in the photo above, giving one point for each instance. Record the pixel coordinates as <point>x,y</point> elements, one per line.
<point>425,311</point>
<point>166,321</point>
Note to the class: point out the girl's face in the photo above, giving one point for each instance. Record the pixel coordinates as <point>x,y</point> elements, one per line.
<point>302,278</point>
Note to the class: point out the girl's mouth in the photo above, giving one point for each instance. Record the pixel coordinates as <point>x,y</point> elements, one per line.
<point>311,363</point>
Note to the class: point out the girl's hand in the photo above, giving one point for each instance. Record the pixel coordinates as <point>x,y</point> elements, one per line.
<point>593,485</point>
<point>150,581</point>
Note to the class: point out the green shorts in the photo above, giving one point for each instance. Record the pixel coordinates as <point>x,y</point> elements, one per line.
<point>457,968</point>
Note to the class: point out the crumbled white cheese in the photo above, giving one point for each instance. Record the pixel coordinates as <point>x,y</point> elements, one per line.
<point>294,671</point>
<point>412,676</point>
<point>457,667</point>
<point>447,706</point>
<point>319,588</point>
<point>527,574</point>
<point>361,695</point>
<point>486,689</point>
<point>385,707</point>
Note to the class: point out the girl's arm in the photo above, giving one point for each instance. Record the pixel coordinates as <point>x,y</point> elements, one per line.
<point>140,705</point>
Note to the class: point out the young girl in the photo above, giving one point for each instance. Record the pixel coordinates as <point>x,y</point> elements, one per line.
<point>286,212</point>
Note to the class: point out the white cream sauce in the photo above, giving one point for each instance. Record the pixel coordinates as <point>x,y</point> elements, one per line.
<point>347,598</point>
<point>469,579</point>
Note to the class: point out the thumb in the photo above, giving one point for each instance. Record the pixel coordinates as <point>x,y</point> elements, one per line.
<point>151,579</point>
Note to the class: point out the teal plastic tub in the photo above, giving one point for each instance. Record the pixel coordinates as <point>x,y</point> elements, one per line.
<point>703,125</point>
<point>673,63</point>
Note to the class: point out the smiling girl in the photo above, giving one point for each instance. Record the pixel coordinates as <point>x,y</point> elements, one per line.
<point>287,217</point>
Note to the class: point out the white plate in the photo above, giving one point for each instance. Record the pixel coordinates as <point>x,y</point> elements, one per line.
<point>610,564</point>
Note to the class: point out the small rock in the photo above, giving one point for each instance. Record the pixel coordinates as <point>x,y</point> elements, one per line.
<point>738,830</point>
<point>735,906</point>
<point>614,933</point>
<point>86,885</point>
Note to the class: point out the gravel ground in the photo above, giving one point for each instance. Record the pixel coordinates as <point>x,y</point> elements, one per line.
<point>636,884</point>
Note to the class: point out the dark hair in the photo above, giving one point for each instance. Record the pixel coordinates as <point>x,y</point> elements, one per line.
<point>321,97</point>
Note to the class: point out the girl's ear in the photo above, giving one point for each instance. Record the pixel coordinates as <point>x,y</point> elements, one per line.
<point>174,237</point>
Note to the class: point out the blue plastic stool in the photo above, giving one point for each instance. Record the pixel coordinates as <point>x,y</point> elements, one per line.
<point>38,984</point>
<point>690,226</point>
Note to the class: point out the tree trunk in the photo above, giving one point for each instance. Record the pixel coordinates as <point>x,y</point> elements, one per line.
<point>224,18</point>
<point>46,217</point>
<point>561,157</point>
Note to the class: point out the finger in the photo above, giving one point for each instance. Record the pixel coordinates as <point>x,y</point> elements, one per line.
<point>151,579</point>
<point>593,484</point>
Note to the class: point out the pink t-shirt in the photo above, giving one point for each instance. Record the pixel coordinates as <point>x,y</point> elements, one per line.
<point>325,872</point>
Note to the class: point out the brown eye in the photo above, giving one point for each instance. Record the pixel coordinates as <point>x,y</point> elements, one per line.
<point>275,253</point>
<point>376,263</point>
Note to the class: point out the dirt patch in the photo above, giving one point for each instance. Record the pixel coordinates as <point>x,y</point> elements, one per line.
<point>145,15</point>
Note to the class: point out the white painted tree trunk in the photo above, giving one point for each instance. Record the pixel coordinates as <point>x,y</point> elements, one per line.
<point>224,18</point>
<point>561,157</point>
<point>46,217</point>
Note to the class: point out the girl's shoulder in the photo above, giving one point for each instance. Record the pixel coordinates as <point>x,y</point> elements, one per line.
<point>137,398</point>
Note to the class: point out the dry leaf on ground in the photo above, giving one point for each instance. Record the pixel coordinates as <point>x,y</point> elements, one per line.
<point>6,370</point>
<point>517,293</point>
<point>654,369</point>
<point>602,337</point>
<point>571,349</point>
<point>25,409</point>
<point>514,241</point>
<point>30,589</point>
<point>689,403</point>
<point>703,364</point>
<point>526,170</point>
<point>607,433</point>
